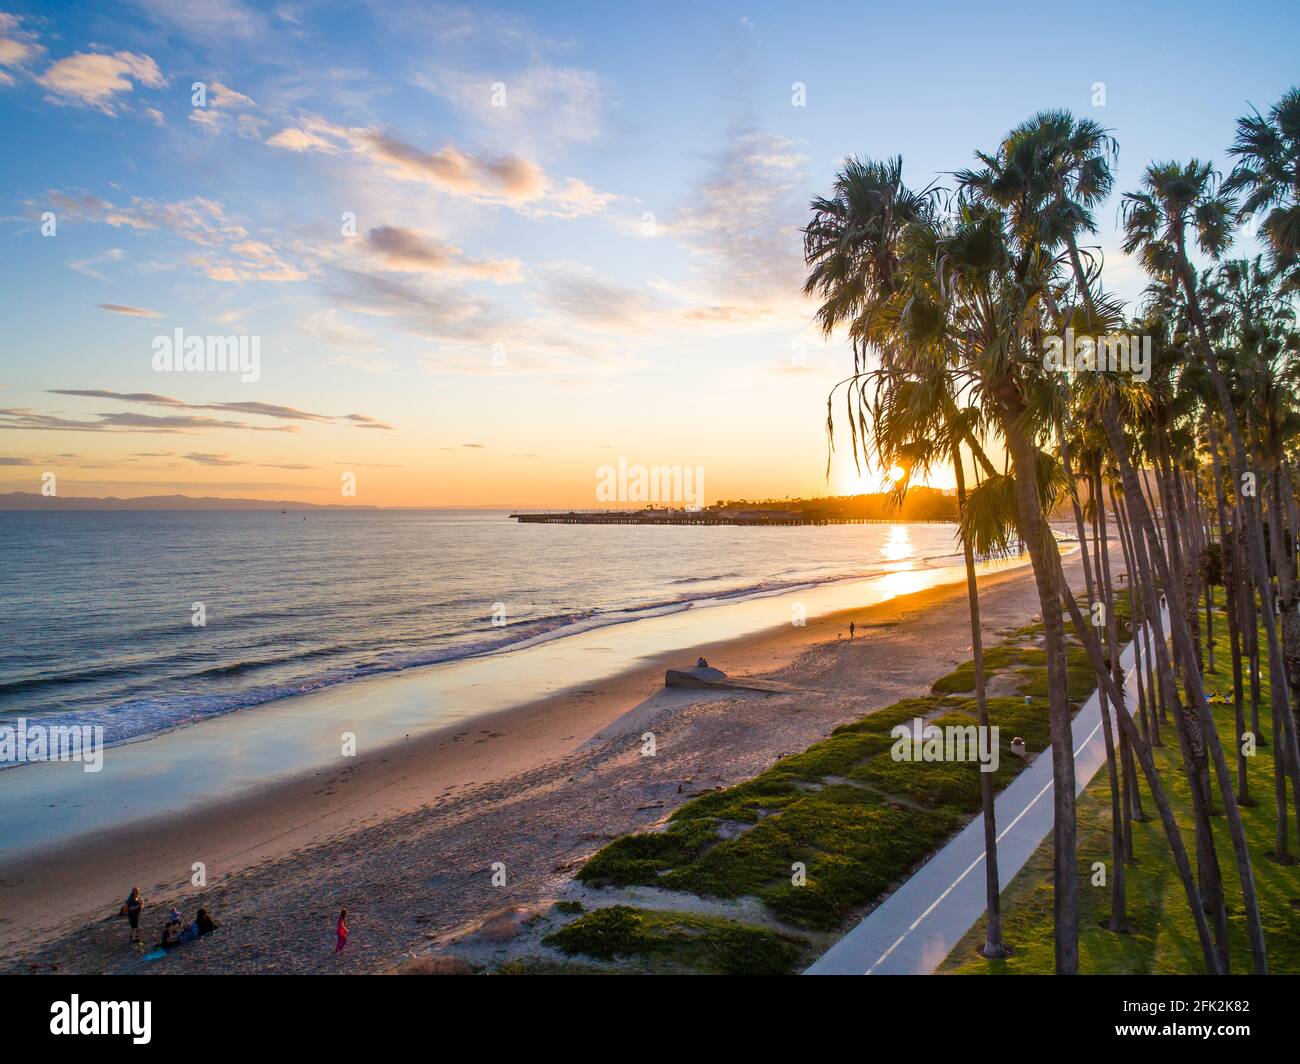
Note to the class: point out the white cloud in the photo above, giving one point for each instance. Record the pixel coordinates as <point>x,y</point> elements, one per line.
<point>302,140</point>
<point>18,47</point>
<point>223,104</point>
<point>506,179</point>
<point>93,79</point>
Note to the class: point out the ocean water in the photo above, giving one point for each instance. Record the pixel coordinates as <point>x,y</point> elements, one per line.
<point>97,608</point>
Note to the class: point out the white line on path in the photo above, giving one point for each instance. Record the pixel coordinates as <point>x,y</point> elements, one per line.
<point>916,927</point>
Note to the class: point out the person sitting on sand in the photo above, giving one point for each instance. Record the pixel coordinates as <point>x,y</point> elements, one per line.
<point>134,903</point>
<point>341,929</point>
<point>171,936</point>
<point>203,923</point>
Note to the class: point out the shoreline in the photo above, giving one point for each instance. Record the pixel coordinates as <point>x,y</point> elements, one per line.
<point>551,629</point>
<point>453,781</point>
<point>184,771</point>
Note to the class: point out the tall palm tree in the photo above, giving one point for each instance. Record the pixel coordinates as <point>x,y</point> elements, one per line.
<point>1051,171</point>
<point>1173,197</point>
<point>854,247</point>
<point>1268,172</point>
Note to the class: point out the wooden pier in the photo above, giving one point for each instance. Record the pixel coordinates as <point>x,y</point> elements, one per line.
<point>746,518</point>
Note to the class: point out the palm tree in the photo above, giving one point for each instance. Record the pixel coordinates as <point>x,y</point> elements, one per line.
<point>854,247</point>
<point>1173,197</point>
<point>1268,172</point>
<point>1049,173</point>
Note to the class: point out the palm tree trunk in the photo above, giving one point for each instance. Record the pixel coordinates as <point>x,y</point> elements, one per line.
<point>1139,629</point>
<point>1142,649</point>
<point>1229,571</point>
<point>993,894</point>
<point>1145,759</point>
<point>1118,917</point>
<point>1045,560</point>
<point>1196,695</point>
<point>1127,777</point>
<point>1255,550</point>
<point>1191,738</point>
<point>1286,588</point>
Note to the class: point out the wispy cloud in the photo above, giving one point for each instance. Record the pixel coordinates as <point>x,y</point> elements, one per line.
<point>271,410</point>
<point>131,312</point>
<point>212,459</point>
<point>229,253</point>
<point>31,421</point>
<point>508,179</point>
<point>225,106</point>
<point>410,251</point>
<point>211,20</point>
<point>542,106</point>
<point>18,47</point>
<point>91,263</point>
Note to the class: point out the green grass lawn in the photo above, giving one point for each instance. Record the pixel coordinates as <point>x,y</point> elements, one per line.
<point>1163,939</point>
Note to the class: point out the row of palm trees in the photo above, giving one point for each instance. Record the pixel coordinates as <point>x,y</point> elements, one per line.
<point>949,298</point>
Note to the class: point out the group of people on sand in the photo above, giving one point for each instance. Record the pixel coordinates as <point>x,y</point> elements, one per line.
<point>175,932</point>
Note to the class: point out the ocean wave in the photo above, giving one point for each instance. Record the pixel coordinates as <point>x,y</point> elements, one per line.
<point>704,579</point>
<point>140,718</point>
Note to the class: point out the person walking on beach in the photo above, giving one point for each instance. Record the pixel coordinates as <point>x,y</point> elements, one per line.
<point>852,628</point>
<point>341,929</point>
<point>134,903</point>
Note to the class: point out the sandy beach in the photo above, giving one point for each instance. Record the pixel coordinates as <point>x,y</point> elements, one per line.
<point>406,837</point>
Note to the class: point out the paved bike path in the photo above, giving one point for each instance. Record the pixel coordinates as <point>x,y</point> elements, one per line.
<point>916,927</point>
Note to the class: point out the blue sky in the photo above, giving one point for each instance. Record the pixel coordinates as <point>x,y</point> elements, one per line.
<point>576,225</point>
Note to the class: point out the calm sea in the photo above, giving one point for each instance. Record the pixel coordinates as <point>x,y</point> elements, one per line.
<point>97,609</point>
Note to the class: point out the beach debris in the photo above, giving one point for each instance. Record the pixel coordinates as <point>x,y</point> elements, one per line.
<point>701,674</point>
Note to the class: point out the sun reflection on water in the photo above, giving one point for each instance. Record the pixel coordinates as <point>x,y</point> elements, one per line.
<point>898,546</point>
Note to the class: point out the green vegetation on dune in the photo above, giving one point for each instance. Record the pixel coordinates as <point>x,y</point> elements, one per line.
<point>856,820</point>
<point>678,940</point>
<point>1163,938</point>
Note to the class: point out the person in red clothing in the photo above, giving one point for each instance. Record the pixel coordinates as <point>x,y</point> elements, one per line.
<point>341,929</point>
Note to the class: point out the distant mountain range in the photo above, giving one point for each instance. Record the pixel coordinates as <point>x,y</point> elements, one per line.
<point>30,500</point>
